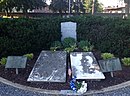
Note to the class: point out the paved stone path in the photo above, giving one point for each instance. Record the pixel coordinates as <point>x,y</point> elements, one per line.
<point>7,90</point>
<point>119,92</point>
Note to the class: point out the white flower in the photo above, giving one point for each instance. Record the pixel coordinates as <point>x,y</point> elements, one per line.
<point>83,88</point>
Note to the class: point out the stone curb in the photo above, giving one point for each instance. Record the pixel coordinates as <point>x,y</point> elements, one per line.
<point>57,92</point>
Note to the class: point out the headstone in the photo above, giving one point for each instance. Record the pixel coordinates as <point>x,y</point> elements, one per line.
<point>16,62</point>
<point>110,65</point>
<point>68,29</point>
<point>85,66</point>
<point>49,67</point>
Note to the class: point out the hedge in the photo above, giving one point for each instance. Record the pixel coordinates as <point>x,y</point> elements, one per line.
<point>21,36</point>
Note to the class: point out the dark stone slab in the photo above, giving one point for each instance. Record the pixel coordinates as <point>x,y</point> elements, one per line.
<point>85,66</point>
<point>50,67</point>
<point>110,65</point>
<point>16,62</point>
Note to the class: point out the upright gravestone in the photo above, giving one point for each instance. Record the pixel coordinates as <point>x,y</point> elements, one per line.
<point>68,29</point>
<point>85,66</point>
<point>49,67</point>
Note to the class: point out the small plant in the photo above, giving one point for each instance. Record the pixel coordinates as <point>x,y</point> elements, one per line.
<point>55,45</point>
<point>29,56</point>
<point>126,61</point>
<point>85,45</point>
<point>70,49</point>
<point>107,55</point>
<point>68,42</point>
<point>3,61</point>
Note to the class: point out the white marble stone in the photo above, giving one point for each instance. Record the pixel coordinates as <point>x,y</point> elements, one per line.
<point>49,67</point>
<point>85,66</point>
<point>68,29</point>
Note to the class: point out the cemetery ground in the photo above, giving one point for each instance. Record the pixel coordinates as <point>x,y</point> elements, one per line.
<point>21,78</point>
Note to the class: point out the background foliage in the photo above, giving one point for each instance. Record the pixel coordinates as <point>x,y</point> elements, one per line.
<point>21,36</point>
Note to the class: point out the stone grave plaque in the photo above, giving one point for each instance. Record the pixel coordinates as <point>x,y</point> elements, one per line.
<point>16,62</point>
<point>85,66</point>
<point>68,29</point>
<point>110,65</point>
<point>49,67</point>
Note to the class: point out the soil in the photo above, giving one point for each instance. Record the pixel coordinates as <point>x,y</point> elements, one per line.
<point>21,78</point>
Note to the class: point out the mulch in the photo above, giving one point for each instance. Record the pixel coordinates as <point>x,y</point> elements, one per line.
<point>21,78</point>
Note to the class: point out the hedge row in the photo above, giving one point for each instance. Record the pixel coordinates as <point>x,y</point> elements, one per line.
<point>20,36</point>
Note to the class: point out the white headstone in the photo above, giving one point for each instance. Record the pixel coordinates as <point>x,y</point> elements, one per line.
<point>68,29</point>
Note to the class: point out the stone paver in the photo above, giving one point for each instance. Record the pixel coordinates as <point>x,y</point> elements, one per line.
<point>119,92</point>
<point>8,88</point>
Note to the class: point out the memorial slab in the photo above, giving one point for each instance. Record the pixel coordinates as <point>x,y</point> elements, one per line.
<point>16,62</point>
<point>110,65</point>
<point>68,29</point>
<point>49,67</point>
<point>85,66</point>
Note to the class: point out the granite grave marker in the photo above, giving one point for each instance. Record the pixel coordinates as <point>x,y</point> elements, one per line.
<point>110,65</point>
<point>49,67</point>
<point>85,66</point>
<point>16,62</point>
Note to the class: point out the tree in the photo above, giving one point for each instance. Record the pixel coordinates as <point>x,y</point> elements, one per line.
<point>97,6</point>
<point>21,5</point>
<point>59,5</point>
<point>78,6</point>
<point>7,5</point>
<point>26,5</point>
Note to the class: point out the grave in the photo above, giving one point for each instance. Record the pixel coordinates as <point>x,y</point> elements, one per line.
<point>68,29</point>
<point>49,67</point>
<point>85,66</point>
<point>16,62</point>
<point>110,65</point>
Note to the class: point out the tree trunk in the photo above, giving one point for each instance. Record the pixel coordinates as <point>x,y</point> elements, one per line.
<point>93,7</point>
<point>25,13</point>
<point>127,6</point>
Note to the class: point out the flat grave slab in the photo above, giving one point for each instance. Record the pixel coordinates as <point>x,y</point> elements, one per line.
<point>49,67</point>
<point>85,66</point>
<point>16,62</point>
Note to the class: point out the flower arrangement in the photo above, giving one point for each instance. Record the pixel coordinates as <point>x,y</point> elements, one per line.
<point>78,86</point>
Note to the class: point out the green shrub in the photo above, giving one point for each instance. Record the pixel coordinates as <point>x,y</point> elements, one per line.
<point>85,45</point>
<point>3,61</point>
<point>29,56</point>
<point>107,55</point>
<point>55,45</point>
<point>126,61</point>
<point>19,36</point>
<point>68,42</point>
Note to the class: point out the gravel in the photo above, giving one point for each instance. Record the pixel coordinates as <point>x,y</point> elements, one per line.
<point>6,90</point>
